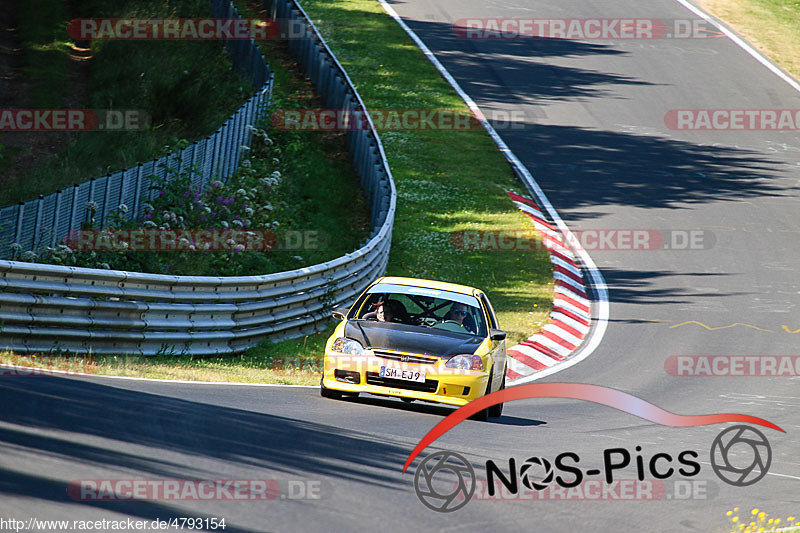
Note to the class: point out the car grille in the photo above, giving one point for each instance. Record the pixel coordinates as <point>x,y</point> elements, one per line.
<point>413,359</point>
<point>430,385</point>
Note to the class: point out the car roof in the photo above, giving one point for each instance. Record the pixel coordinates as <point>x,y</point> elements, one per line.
<point>429,284</point>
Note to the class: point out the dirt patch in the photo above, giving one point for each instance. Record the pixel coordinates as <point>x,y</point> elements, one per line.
<point>23,150</point>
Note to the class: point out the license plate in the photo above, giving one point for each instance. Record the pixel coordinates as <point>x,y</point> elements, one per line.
<point>402,373</point>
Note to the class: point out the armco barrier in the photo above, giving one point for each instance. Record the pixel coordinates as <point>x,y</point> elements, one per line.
<point>52,308</point>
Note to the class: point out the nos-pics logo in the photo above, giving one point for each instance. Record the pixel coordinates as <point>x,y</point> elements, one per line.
<point>445,481</point>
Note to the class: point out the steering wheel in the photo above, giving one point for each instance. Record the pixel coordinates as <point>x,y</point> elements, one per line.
<point>451,321</point>
<point>428,321</point>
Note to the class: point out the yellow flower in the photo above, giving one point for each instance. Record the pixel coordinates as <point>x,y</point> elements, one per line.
<point>735,509</point>
<point>762,515</point>
<point>735,518</point>
<point>729,513</point>
<point>754,511</point>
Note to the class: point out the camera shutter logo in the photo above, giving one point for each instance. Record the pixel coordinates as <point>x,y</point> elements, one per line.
<point>736,439</point>
<point>433,481</point>
<point>545,479</point>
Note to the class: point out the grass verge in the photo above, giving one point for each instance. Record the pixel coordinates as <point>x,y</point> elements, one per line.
<point>447,181</point>
<point>772,26</point>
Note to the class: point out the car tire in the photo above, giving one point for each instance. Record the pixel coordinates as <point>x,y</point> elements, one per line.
<point>483,415</point>
<point>328,393</point>
<point>496,411</point>
<point>325,392</point>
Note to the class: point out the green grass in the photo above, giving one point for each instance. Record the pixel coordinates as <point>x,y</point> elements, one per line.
<point>242,369</point>
<point>772,26</point>
<point>187,87</point>
<point>447,181</point>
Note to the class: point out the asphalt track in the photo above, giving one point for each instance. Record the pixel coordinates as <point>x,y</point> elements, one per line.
<point>595,139</point>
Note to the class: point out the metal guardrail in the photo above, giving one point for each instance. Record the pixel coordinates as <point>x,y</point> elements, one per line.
<point>46,308</point>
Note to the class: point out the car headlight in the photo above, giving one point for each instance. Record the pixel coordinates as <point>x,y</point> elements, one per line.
<point>465,362</point>
<point>347,346</point>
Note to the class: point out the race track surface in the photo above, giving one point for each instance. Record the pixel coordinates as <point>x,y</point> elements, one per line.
<point>594,136</point>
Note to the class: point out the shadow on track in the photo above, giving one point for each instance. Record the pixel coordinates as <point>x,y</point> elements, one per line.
<point>434,409</point>
<point>93,427</point>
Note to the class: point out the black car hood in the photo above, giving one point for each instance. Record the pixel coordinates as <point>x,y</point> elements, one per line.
<point>411,339</point>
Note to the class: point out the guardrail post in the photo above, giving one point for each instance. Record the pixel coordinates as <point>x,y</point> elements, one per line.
<point>37,226</point>
<point>18,230</point>
<point>73,207</point>
<point>55,218</point>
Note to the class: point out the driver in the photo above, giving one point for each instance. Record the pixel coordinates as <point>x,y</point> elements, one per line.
<point>457,313</point>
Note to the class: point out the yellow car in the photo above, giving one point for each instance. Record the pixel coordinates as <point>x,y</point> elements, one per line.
<point>417,339</point>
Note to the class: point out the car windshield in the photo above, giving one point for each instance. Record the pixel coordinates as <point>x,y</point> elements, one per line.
<point>422,307</point>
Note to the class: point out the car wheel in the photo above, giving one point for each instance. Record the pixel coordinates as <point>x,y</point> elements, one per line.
<point>408,400</point>
<point>483,415</point>
<point>496,411</point>
<point>334,394</point>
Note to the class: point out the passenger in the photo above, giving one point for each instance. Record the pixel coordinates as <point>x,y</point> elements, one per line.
<point>389,311</point>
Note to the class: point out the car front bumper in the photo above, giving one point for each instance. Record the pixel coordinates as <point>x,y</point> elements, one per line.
<point>445,385</point>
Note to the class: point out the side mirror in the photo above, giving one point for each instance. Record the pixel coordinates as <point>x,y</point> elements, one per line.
<point>497,334</point>
<point>341,313</point>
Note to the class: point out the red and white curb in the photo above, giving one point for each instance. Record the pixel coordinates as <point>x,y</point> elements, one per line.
<point>570,319</point>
